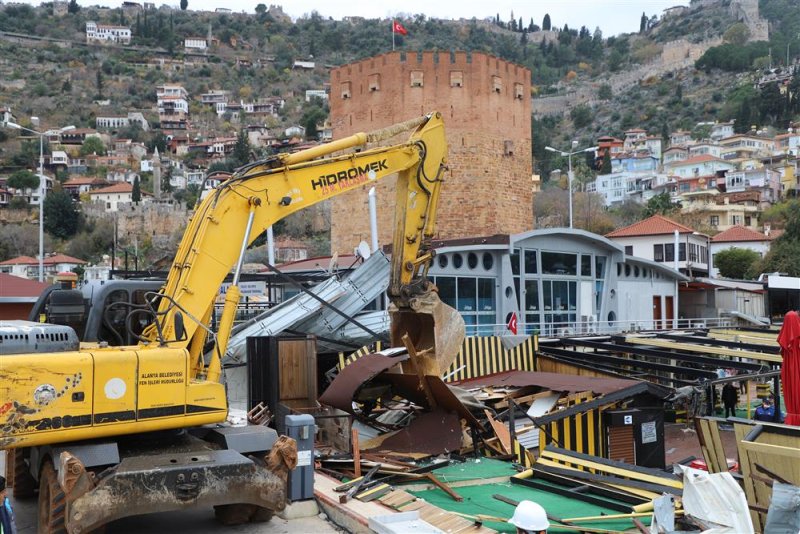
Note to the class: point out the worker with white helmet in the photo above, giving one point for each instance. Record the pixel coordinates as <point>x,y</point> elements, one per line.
<point>530,518</point>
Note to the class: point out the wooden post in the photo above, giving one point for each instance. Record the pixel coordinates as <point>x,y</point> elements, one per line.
<point>356,451</point>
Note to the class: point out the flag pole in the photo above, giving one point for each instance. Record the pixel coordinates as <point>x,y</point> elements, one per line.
<point>392,35</point>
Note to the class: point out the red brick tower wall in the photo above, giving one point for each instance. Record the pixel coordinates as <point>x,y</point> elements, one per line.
<point>486,106</point>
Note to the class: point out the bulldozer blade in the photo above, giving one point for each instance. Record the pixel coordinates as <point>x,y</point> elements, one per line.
<point>435,329</point>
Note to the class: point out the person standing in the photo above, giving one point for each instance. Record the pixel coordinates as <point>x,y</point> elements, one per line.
<point>7,525</point>
<point>729,399</point>
<point>530,518</point>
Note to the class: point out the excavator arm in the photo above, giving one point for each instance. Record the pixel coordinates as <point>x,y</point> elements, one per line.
<point>257,196</point>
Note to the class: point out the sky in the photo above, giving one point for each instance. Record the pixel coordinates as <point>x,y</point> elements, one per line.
<point>612,16</point>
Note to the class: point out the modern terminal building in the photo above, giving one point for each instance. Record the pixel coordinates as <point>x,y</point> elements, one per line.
<point>554,281</point>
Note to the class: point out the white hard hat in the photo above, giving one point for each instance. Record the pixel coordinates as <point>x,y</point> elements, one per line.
<point>530,516</point>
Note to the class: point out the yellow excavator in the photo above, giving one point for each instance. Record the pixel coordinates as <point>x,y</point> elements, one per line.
<point>107,432</point>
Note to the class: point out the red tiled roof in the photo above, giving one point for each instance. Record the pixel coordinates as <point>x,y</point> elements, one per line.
<point>20,260</point>
<point>655,225</point>
<point>122,187</point>
<point>739,233</point>
<point>83,180</point>
<point>14,286</point>
<point>48,260</point>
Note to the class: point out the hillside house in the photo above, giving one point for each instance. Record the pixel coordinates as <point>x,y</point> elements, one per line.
<point>765,181</point>
<point>633,137</point>
<point>303,65</point>
<point>115,195</point>
<point>28,267</point>
<point>5,197</point>
<point>288,250</point>
<point>675,154</point>
<point>704,148</point>
<point>655,239</point>
<point>721,211</point>
<point>77,136</point>
<point>721,130</point>
<point>738,237</point>
<point>195,44</point>
<point>99,33</point>
<point>31,196</point>
<point>59,157</point>
<point>680,138</point>
<point>696,166</point>
<point>111,121</point>
<point>82,184</point>
<point>316,93</point>
<point>788,143</point>
<point>609,144</point>
<point>743,146</point>
<point>122,174</point>
<point>295,131</point>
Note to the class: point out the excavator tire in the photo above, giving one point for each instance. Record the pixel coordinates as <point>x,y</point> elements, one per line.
<point>18,476</point>
<point>52,502</point>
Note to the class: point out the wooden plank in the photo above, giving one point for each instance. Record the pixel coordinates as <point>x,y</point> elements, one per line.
<point>721,460</point>
<point>444,487</point>
<point>607,479</point>
<point>417,361</point>
<point>778,450</point>
<point>705,349</point>
<point>643,493</point>
<point>356,451</point>
<point>614,470</point>
<point>741,431</point>
<point>500,430</point>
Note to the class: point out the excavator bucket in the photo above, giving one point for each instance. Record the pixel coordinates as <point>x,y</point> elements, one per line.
<point>435,330</point>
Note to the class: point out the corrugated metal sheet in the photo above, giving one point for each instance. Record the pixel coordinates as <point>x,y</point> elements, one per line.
<point>305,314</point>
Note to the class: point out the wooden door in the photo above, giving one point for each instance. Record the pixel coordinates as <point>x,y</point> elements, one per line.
<point>670,311</point>
<point>657,312</point>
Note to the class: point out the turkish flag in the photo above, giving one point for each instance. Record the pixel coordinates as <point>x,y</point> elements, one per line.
<point>512,323</point>
<point>398,28</point>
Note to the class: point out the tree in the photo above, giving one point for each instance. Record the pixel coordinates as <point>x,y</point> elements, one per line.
<point>643,23</point>
<point>136,194</point>
<point>660,204</point>
<point>737,34</point>
<point>93,145</point>
<point>73,6</point>
<point>23,180</point>
<point>241,150</point>
<point>184,4</point>
<point>605,92</point>
<point>99,83</point>
<point>546,22</point>
<point>61,215</point>
<point>581,116</point>
<point>735,262</point>
<point>605,168</point>
<point>261,9</point>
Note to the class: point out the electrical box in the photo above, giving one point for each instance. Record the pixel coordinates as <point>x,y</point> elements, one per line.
<point>301,428</point>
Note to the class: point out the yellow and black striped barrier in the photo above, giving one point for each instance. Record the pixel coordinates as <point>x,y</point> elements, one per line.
<point>479,356</point>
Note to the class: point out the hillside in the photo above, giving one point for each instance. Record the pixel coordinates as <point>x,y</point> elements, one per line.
<point>679,69</point>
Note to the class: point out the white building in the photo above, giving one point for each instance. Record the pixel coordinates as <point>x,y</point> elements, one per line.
<point>114,195</point>
<point>738,237</point>
<point>721,130</point>
<point>319,93</point>
<point>655,239</point>
<point>6,115</point>
<point>195,43</point>
<point>98,33</point>
<point>28,267</point>
<point>112,121</point>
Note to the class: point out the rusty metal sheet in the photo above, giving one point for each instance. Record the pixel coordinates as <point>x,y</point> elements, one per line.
<point>347,383</point>
<point>408,386</point>
<point>551,381</point>
<point>435,432</point>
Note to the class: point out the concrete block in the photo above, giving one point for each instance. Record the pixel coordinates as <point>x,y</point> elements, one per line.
<point>402,523</point>
<point>299,509</point>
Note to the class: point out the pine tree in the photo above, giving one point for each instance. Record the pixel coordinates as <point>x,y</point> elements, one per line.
<point>99,82</point>
<point>643,23</point>
<point>605,168</point>
<point>136,194</point>
<point>184,4</point>
<point>241,150</point>
<point>73,6</point>
<point>546,22</point>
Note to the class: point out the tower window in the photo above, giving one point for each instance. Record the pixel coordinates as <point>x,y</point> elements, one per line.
<point>346,90</point>
<point>497,84</point>
<point>416,78</point>
<point>374,82</point>
<point>456,78</point>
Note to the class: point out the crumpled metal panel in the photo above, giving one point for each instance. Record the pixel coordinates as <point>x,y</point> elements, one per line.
<point>351,335</point>
<point>347,383</point>
<point>436,432</point>
<point>305,314</point>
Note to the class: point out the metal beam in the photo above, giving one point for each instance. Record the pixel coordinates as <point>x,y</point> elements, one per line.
<point>618,371</point>
<point>655,342</point>
<point>639,364</point>
<point>704,340</point>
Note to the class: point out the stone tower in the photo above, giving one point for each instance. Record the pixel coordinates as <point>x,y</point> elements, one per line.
<point>156,175</point>
<point>486,106</point>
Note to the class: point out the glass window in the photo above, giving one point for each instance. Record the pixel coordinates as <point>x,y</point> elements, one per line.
<point>629,250</point>
<point>658,252</point>
<point>547,293</point>
<point>559,263</point>
<point>447,289</point>
<point>627,271</point>
<point>442,259</point>
<point>514,257</point>
<point>458,261</point>
<point>486,300</point>
<point>467,295</point>
<point>532,295</point>
<point>488,261</point>
<point>519,294</point>
<point>530,262</point>
<point>669,252</point>
<point>472,260</point>
<point>600,266</point>
<point>586,265</point>
<point>681,252</point>
<point>636,271</point>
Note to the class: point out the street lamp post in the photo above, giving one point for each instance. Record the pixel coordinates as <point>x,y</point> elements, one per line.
<point>42,188</point>
<point>569,155</point>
